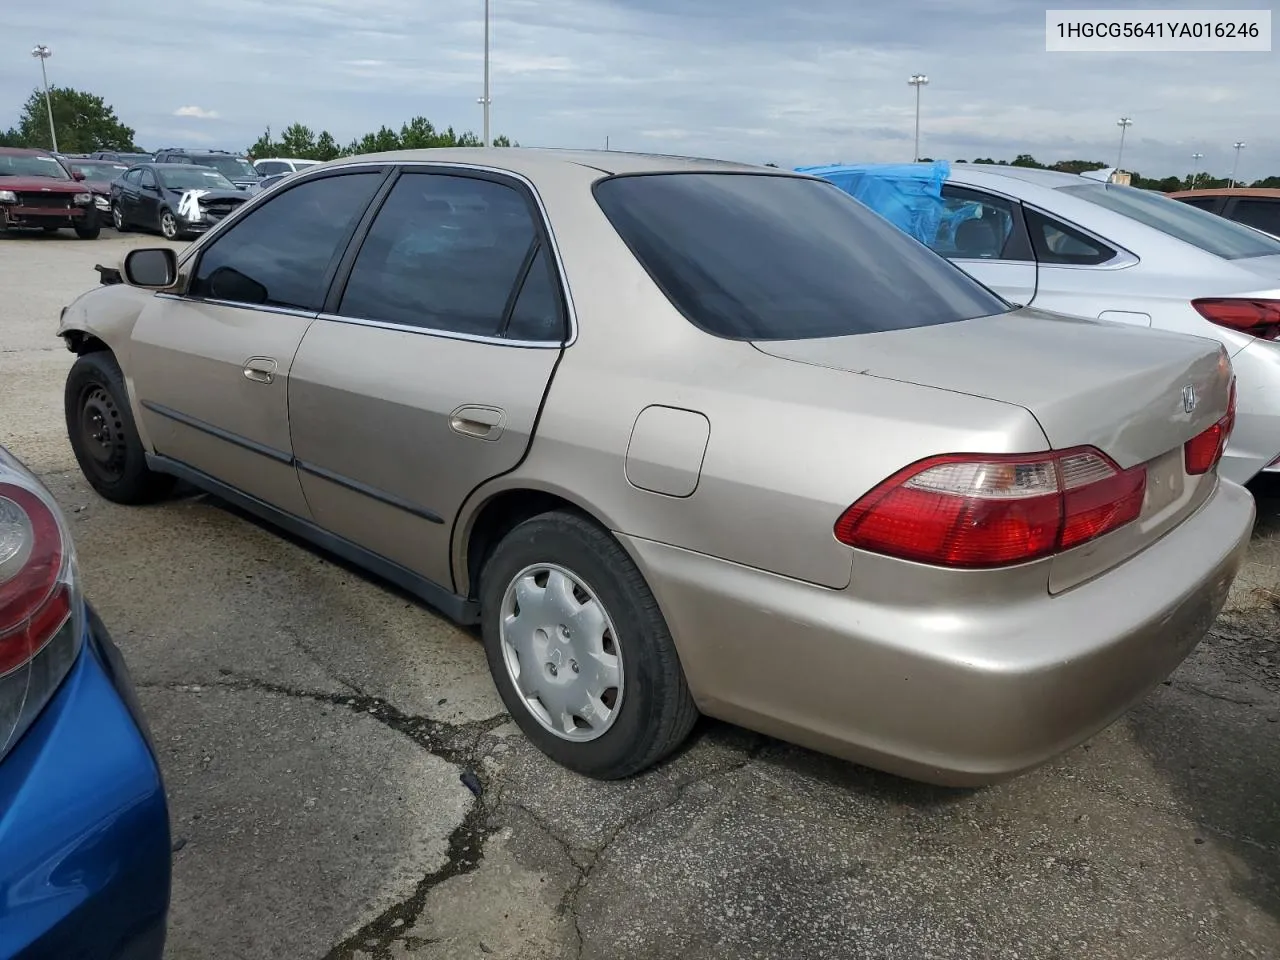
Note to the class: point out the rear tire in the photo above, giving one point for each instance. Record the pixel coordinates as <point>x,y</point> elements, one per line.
<point>117,219</point>
<point>103,435</point>
<point>650,709</point>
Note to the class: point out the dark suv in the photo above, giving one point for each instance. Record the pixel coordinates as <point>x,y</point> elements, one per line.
<point>1257,207</point>
<point>233,166</point>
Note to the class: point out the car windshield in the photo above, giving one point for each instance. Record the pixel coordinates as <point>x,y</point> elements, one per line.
<point>32,165</point>
<point>233,168</point>
<point>1208,231</point>
<point>769,257</point>
<point>100,169</point>
<point>186,178</point>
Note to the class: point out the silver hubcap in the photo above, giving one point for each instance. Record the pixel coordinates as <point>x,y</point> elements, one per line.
<point>116,217</point>
<point>168,226</point>
<point>561,652</point>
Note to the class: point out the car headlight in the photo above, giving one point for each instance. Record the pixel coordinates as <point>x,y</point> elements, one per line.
<point>81,199</point>
<point>8,196</point>
<point>102,203</point>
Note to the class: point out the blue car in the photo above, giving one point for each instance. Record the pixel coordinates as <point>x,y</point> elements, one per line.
<point>84,825</point>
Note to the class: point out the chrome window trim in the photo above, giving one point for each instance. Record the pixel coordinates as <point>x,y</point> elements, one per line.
<point>304,175</point>
<point>1123,257</point>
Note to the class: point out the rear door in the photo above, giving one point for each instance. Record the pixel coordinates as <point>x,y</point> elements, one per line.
<point>984,235</point>
<point>426,375</point>
<point>1077,272</point>
<point>146,202</point>
<point>210,368</point>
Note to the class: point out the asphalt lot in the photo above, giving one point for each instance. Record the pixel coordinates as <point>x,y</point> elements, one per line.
<point>314,725</point>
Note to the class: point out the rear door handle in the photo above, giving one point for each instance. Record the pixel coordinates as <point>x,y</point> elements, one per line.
<point>260,369</point>
<point>483,423</point>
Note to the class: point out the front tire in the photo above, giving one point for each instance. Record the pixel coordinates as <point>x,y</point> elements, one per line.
<point>86,232</point>
<point>169,228</point>
<point>103,435</point>
<point>579,650</point>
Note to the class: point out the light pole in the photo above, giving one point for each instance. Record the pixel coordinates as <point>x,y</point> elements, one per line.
<point>1123,123</point>
<point>485,101</point>
<point>43,53</point>
<point>1195,167</point>
<point>1238,145</point>
<point>917,80</point>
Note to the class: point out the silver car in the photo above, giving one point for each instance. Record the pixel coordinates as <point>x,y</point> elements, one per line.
<point>685,436</point>
<point>1074,245</point>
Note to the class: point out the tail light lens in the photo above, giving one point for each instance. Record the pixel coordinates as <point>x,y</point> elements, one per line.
<point>978,511</point>
<point>1203,451</point>
<point>1260,318</point>
<point>40,618</point>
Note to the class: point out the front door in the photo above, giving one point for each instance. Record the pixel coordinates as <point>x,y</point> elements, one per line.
<point>210,368</point>
<point>426,377</point>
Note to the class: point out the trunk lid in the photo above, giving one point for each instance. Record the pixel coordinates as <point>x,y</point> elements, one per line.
<point>1268,267</point>
<point>1122,389</point>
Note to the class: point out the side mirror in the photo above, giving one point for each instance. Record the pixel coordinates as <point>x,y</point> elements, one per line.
<point>150,267</point>
<point>78,174</point>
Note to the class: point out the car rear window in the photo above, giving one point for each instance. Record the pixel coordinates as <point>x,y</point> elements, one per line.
<point>1208,231</point>
<point>770,257</point>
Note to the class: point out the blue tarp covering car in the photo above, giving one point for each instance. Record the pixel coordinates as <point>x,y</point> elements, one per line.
<point>908,195</point>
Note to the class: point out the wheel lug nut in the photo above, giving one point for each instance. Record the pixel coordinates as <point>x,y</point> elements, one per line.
<point>551,669</point>
<point>573,665</point>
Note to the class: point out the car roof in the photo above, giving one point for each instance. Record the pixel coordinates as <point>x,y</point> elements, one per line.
<point>1228,192</point>
<point>1044,178</point>
<point>26,152</point>
<point>533,161</point>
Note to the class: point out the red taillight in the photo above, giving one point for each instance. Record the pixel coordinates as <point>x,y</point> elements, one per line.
<point>1203,451</point>
<point>33,602</point>
<point>1260,318</point>
<point>976,510</point>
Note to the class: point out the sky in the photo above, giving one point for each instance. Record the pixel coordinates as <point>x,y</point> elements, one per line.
<point>761,81</point>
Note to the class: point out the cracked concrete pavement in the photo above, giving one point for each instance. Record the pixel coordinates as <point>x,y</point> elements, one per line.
<point>316,728</point>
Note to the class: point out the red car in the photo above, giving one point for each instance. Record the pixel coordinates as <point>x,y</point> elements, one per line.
<point>37,191</point>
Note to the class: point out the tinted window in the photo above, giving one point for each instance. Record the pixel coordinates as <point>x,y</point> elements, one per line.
<point>1260,213</point>
<point>975,226</point>
<point>188,178</point>
<point>537,313</point>
<point>133,176</point>
<point>148,178</point>
<point>268,167</point>
<point>765,257</point>
<point>1203,203</point>
<point>445,253</point>
<point>1058,243</point>
<point>1207,231</point>
<point>280,253</point>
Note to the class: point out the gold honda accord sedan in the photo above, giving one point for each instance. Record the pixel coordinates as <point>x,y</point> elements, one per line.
<point>685,436</point>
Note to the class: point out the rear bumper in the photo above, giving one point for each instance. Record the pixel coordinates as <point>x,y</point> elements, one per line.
<point>1255,441</point>
<point>84,825</point>
<point>965,694</point>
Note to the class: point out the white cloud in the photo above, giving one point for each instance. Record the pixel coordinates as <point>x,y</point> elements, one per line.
<point>198,112</point>
<point>751,80</point>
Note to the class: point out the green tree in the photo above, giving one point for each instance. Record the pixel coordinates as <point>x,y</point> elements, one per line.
<point>83,121</point>
<point>419,133</point>
<point>1272,182</point>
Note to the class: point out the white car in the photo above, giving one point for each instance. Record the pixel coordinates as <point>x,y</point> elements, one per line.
<point>1072,244</point>
<point>272,165</point>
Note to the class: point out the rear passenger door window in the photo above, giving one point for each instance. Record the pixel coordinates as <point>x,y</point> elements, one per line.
<point>455,254</point>
<point>1057,243</point>
<point>282,254</point>
<point>979,226</point>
